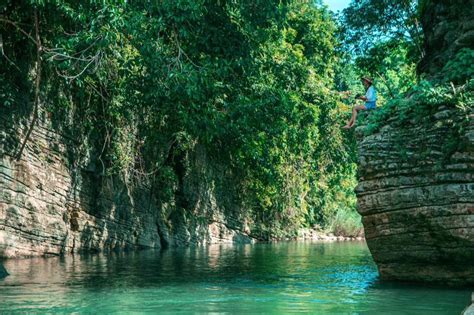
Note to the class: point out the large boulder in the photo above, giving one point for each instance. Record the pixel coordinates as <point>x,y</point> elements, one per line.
<point>415,194</point>
<point>417,200</point>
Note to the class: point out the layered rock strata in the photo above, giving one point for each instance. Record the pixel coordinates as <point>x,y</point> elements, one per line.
<point>50,206</point>
<point>417,199</point>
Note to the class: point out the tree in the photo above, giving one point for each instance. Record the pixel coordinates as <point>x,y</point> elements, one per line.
<point>367,22</point>
<point>392,65</point>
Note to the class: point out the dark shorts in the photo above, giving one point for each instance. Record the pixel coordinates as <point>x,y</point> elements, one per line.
<point>370,105</point>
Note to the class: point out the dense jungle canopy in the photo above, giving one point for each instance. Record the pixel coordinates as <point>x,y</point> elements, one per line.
<point>261,85</point>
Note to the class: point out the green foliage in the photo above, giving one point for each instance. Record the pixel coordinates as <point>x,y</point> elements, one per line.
<point>383,40</point>
<point>367,23</point>
<point>460,68</point>
<point>346,223</point>
<point>252,82</point>
<point>424,102</point>
<point>391,65</point>
<point>141,84</point>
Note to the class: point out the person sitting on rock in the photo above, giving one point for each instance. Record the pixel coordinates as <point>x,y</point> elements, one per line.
<point>370,99</point>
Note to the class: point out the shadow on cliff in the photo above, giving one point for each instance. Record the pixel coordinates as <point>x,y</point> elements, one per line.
<point>103,212</point>
<point>208,202</point>
<point>3,271</point>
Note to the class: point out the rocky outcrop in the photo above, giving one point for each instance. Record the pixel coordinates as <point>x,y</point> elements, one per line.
<point>417,199</point>
<point>416,179</point>
<point>50,206</point>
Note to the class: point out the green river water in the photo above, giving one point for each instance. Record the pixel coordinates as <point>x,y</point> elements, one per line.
<point>279,278</point>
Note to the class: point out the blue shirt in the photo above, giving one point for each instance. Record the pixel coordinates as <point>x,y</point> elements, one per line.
<point>371,98</point>
<point>370,94</point>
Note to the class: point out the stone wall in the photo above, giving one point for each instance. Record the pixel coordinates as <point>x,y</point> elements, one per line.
<point>49,206</point>
<point>417,202</point>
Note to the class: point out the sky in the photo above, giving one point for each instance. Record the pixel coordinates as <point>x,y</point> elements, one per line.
<point>336,5</point>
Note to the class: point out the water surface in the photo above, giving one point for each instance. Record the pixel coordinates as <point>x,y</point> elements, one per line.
<point>322,278</point>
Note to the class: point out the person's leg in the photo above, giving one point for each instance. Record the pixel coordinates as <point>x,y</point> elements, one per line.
<point>355,111</point>
<point>349,123</point>
<point>354,116</point>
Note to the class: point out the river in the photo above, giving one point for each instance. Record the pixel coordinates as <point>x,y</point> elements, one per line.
<point>279,278</point>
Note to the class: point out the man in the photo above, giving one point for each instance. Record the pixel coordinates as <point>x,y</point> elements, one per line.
<point>370,99</point>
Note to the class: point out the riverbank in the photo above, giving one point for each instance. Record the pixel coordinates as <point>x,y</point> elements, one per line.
<point>321,235</point>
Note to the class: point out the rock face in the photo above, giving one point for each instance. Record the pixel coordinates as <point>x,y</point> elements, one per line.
<point>448,26</point>
<point>417,203</point>
<point>49,206</point>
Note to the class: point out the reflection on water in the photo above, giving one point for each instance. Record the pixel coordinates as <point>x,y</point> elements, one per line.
<point>262,278</point>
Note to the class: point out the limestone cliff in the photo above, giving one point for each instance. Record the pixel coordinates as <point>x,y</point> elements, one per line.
<point>49,205</point>
<point>417,202</point>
